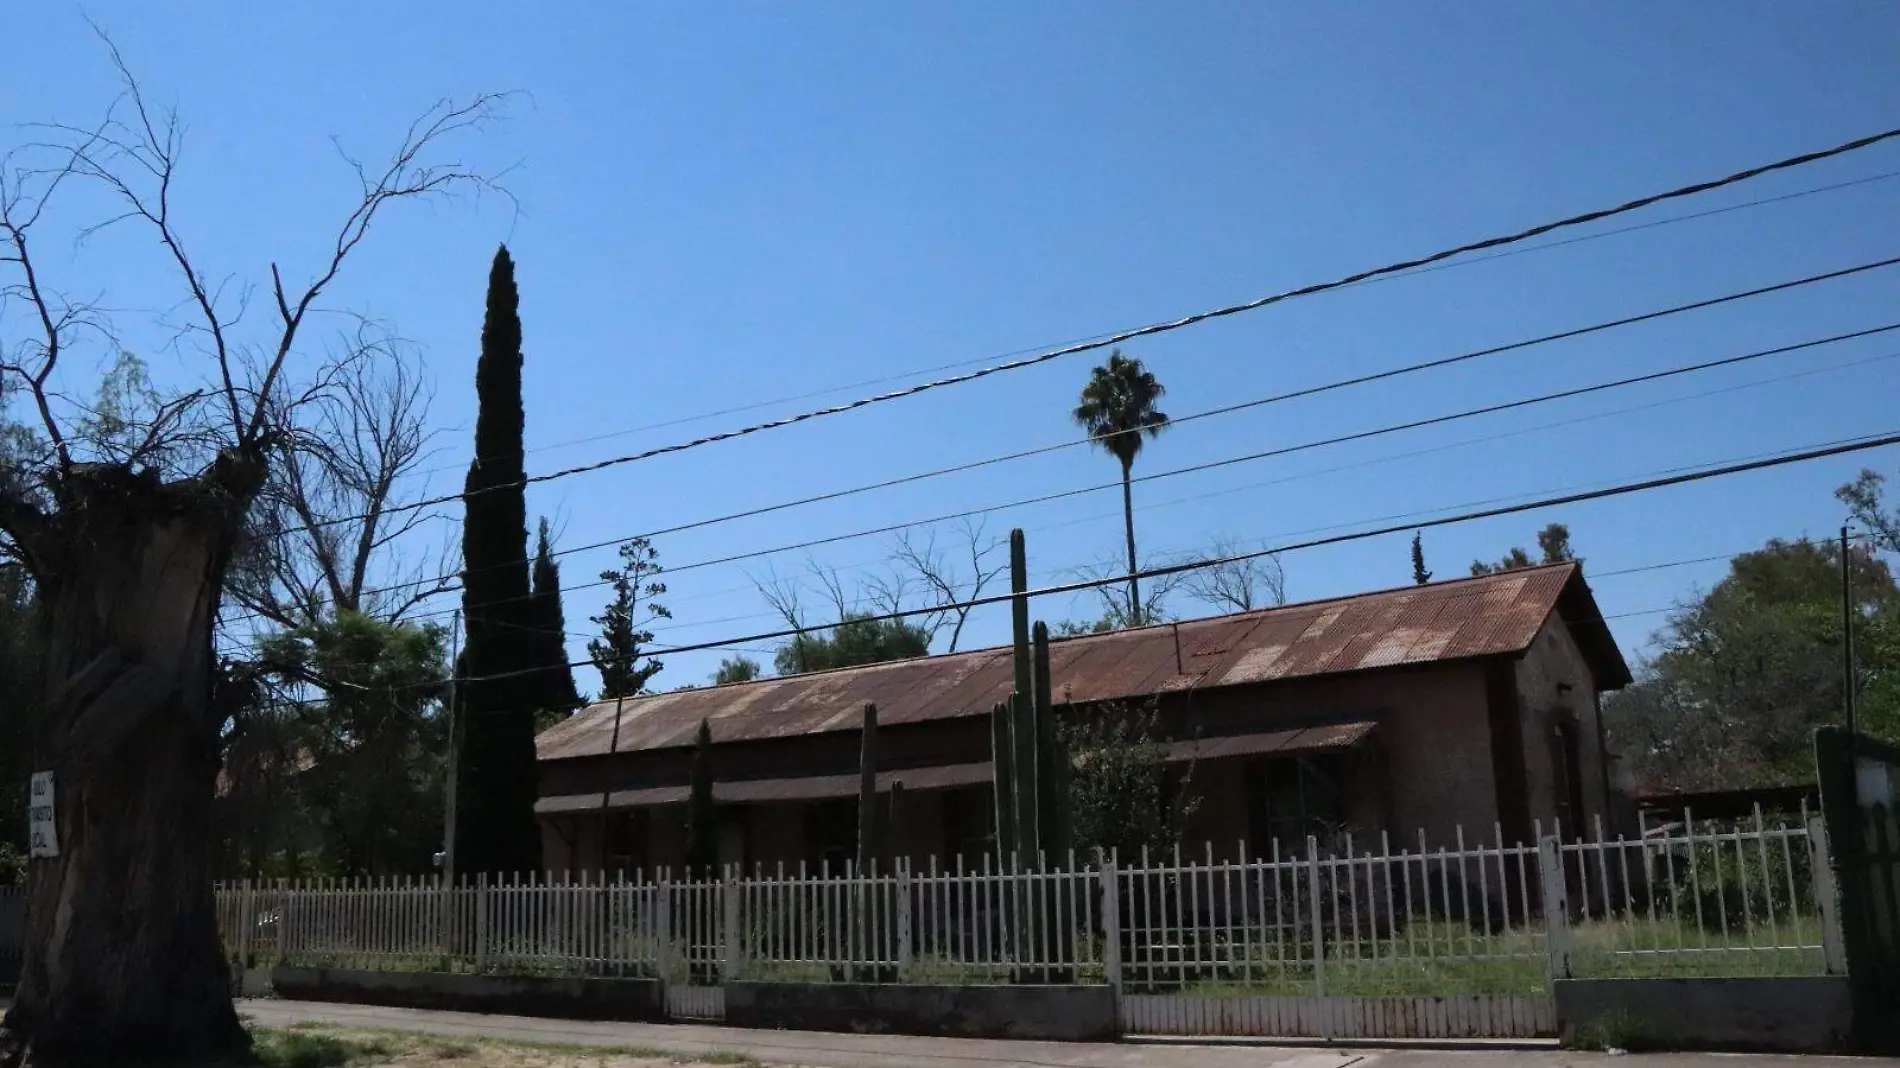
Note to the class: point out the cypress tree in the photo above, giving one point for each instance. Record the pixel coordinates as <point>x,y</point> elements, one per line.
<point>559,698</point>
<point>1419,574</point>
<point>702,814</point>
<point>495,826</point>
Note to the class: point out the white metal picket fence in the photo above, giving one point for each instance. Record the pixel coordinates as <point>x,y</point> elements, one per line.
<point>1334,939</point>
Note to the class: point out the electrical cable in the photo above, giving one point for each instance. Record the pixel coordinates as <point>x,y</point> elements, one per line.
<point>1839,448</point>
<point>1480,245</point>
<point>1265,454</point>
<point>1471,261</point>
<point>1426,365</point>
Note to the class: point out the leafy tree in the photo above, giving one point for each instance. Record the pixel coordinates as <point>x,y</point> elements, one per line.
<point>1553,542</point>
<point>620,649</point>
<point>860,639</point>
<point>736,669</point>
<point>1865,506</point>
<point>1118,793</point>
<point>128,528</point>
<point>1118,410</point>
<point>370,747</point>
<point>558,696</point>
<point>497,777</point>
<point>1744,673</point>
<point>1420,576</point>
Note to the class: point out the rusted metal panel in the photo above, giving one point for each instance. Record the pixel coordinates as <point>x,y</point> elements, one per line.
<point>1299,740</point>
<point>1485,616</point>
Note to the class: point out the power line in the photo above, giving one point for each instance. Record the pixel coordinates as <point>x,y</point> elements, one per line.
<point>1322,472</point>
<point>1486,439</point>
<point>1266,454</point>
<point>1442,593</point>
<point>1840,448</point>
<point>1472,261</point>
<point>1308,391</point>
<point>1172,325</point>
<point>1297,394</point>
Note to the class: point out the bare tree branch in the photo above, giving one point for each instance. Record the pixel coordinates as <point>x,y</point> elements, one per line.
<point>1236,585</point>
<point>1113,596</point>
<point>366,436</point>
<point>945,578</point>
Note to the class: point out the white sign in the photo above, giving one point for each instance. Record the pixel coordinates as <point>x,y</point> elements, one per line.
<point>42,829</point>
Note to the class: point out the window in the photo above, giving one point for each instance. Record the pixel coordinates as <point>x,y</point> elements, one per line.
<point>1293,797</point>
<point>626,841</point>
<point>835,832</point>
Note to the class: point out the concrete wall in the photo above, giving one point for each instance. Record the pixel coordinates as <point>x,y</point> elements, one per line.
<point>1805,1015</point>
<point>630,1000</point>
<point>1045,1013</point>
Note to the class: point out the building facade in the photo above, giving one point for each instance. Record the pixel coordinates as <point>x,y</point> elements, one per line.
<point>1468,704</point>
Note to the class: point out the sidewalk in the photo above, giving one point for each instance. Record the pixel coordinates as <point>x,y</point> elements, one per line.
<point>821,1050</point>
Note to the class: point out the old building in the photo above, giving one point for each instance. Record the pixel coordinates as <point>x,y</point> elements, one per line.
<point>1471,703</point>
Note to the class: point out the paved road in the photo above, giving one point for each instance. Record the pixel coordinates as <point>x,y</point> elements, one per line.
<point>820,1050</point>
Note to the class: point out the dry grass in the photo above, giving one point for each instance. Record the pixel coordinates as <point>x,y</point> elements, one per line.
<point>322,1046</point>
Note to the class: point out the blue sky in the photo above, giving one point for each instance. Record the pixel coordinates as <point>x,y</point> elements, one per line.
<point>727,204</point>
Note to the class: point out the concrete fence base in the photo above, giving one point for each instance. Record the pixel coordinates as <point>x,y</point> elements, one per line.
<point>1792,1015</point>
<point>1052,1013</point>
<point>621,1000</point>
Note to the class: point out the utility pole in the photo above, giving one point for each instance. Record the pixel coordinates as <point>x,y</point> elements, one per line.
<point>455,751</point>
<point>1847,633</point>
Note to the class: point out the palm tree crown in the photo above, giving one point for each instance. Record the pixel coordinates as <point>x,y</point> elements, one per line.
<point>1117,407</point>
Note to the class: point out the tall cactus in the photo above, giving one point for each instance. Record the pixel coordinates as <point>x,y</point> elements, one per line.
<point>1025,735</point>
<point>1052,805</point>
<point>867,790</point>
<point>1003,780</point>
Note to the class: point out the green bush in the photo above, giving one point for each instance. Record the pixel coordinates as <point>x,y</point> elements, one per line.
<point>1715,884</point>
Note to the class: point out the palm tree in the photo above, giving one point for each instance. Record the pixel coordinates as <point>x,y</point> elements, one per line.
<point>1118,410</point>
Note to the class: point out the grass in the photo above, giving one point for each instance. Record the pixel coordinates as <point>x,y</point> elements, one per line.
<point>1449,959</point>
<point>1622,1030</point>
<point>316,1045</point>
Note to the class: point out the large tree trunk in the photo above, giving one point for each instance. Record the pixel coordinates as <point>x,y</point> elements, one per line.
<point>123,960</point>
<point>1128,518</point>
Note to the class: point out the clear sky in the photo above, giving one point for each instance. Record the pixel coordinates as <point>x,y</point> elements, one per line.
<point>722,205</point>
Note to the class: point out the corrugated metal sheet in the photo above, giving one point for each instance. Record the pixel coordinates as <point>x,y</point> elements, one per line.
<point>1302,740</point>
<point>1491,615</point>
<point>763,791</point>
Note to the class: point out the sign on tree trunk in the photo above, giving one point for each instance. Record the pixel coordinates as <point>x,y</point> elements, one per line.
<point>43,831</point>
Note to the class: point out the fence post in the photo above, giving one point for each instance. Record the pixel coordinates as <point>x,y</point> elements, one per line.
<point>247,923</point>
<point>663,928</point>
<point>287,921</point>
<point>1111,927</point>
<point>1826,897</point>
<point>1550,864</point>
<point>904,947</point>
<point>481,923</point>
<point>729,927</point>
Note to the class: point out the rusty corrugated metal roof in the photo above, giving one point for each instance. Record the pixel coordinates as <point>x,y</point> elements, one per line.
<point>1486,616</point>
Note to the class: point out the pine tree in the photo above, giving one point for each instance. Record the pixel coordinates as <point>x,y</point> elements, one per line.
<point>1419,574</point>
<point>621,651</point>
<point>495,826</point>
<point>559,698</point>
